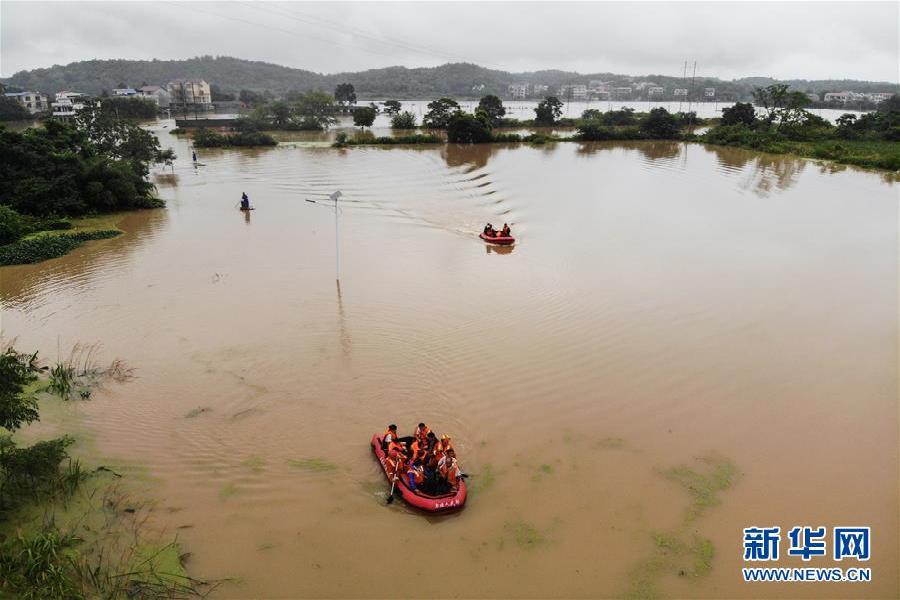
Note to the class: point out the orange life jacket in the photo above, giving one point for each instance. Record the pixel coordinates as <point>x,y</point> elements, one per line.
<point>441,447</point>
<point>422,435</point>
<point>449,469</point>
<point>392,434</point>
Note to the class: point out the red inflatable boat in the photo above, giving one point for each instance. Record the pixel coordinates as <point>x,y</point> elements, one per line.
<point>500,240</point>
<point>434,504</point>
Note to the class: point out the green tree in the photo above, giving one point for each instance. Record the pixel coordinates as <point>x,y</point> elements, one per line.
<point>345,94</point>
<point>660,124</point>
<point>10,110</point>
<point>404,120</point>
<point>463,128</point>
<point>281,113</point>
<point>16,409</point>
<point>392,107</point>
<point>317,107</point>
<point>740,113</point>
<point>771,98</point>
<point>364,116</point>
<point>439,113</point>
<point>492,106</point>
<point>548,110</point>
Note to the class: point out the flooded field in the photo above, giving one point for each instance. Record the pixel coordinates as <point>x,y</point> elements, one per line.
<point>685,341</point>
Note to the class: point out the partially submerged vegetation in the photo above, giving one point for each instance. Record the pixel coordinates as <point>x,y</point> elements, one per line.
<point>783,125</point>
<point>207,138</point>
<point>69,532</point>
<point>871,140</point>
<point>52,173</point>
<point>683,552</point>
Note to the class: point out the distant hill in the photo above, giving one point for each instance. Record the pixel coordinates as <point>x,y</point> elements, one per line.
<point>459,80</point>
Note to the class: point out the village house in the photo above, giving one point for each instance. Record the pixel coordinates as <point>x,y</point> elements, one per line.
<point>155,93</point>
<point>67,104</point>
<point>189,93</point>
<point>518,90</point>
<point>33,102</point>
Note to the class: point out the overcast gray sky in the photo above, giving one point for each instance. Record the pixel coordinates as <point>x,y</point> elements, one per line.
<point>811,40</point>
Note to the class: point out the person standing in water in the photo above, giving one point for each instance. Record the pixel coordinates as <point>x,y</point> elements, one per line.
<point>194,156</point>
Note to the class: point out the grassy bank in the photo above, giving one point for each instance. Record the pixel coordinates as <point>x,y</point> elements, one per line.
<point>65,236</point>
<point>69,531</point>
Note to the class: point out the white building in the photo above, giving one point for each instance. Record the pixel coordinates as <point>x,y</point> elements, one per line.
<point>656,91</point>
<point>67,104</point>
<point>33,102</point>
<point>621,92</point>
<point>680,92</point>
<point>881,96</point>
<point>190,93</point>
<point>709,92</point>
<point>518,90</point>
<point>155,93</point>
<point>125,92</point>
<point>539,88</point>
<point>573,92</point>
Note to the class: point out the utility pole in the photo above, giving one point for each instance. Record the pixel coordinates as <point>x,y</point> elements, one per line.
<point>691,93</point>
<point>337,239</point>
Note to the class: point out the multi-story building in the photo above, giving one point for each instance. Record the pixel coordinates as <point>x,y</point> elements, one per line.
<point>189,93</point>
<point>656,91</point>
<point>621,92</point>
<point>680,92</point>
<point>33,102</point>
<point>155,93</point>
<point>539,88</point>
<point>881,96</point>
<point>518,90</point>
<point>67,104</point>
<point>573,92</point>
<point>709,92</point>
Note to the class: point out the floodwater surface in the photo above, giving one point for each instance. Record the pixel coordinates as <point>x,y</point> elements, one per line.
<point>685,341</point>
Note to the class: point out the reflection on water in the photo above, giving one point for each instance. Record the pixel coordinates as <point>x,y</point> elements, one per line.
<point>766,172</point>
<point>652,311</point>
<point>493,249</point>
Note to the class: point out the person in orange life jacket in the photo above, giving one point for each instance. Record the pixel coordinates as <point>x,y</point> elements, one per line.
<point>442,446</point>
<point>415,474</point>
<point>449,468</point>
<point>418,451</point>
<point>506,231</point>
<point>421,433</point>
<point>391,436</point>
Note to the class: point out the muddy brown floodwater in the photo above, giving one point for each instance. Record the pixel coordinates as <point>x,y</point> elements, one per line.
<point>666,306</point>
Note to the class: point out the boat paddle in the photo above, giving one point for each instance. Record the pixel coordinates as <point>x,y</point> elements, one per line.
<point>390,497</point>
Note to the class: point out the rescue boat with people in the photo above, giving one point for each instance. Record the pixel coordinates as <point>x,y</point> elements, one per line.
<point>444,503</point>
<point>500,240</point>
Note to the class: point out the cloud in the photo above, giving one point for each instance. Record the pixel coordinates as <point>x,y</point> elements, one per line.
<point>813,40</point>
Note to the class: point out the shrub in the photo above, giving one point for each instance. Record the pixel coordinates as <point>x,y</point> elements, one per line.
<point>404,120</point>
<point>44,247</point>
<point>12,226</point>
<point>660,124</point>
<point>594,131</point>
<point>463,128</point>
<point>205,138</point>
